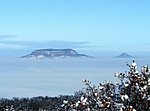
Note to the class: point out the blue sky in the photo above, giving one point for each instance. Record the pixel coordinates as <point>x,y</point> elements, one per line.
<point>94,27</point>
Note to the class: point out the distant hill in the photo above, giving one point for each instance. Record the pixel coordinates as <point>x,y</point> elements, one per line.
<point>124,55</point>
<point>55,53</point>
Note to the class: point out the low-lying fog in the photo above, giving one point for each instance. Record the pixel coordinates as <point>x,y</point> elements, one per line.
<point>54,77</point>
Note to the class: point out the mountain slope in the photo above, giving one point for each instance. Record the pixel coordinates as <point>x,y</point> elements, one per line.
<point>55,53</point>
<point>124,55</point>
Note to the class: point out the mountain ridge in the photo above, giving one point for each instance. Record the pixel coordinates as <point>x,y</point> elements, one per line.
<point>55,53</point>
<point>124,55</point>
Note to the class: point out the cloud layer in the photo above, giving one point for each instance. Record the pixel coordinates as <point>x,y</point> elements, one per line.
<point>42,44</point>
<point>7,36</point>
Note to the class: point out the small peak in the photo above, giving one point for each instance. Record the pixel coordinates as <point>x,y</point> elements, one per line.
<point>124,55</point>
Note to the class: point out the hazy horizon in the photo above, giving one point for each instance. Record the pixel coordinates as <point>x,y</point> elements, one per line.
<point>97,54</point>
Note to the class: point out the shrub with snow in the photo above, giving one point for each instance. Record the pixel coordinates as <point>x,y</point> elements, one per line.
<point>132,93</point>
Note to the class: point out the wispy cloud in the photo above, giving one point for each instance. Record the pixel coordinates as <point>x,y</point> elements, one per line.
<point>7,36</point>
<point>11,46</point>
<point>43,44</point>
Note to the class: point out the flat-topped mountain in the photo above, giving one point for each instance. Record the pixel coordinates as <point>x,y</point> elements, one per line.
<point>124,55</point>
<point>55,53</point>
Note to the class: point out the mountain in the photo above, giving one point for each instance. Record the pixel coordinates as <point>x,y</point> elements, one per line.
<point>55,53</point>
<point>124,55</point>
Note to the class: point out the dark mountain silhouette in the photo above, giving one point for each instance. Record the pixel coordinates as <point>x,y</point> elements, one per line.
<point>124,55</point>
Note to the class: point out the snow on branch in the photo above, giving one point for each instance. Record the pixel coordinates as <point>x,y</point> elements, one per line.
<point>132,93</point>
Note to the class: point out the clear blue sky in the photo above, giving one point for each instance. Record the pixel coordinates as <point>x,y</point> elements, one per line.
<point>93,27</point>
